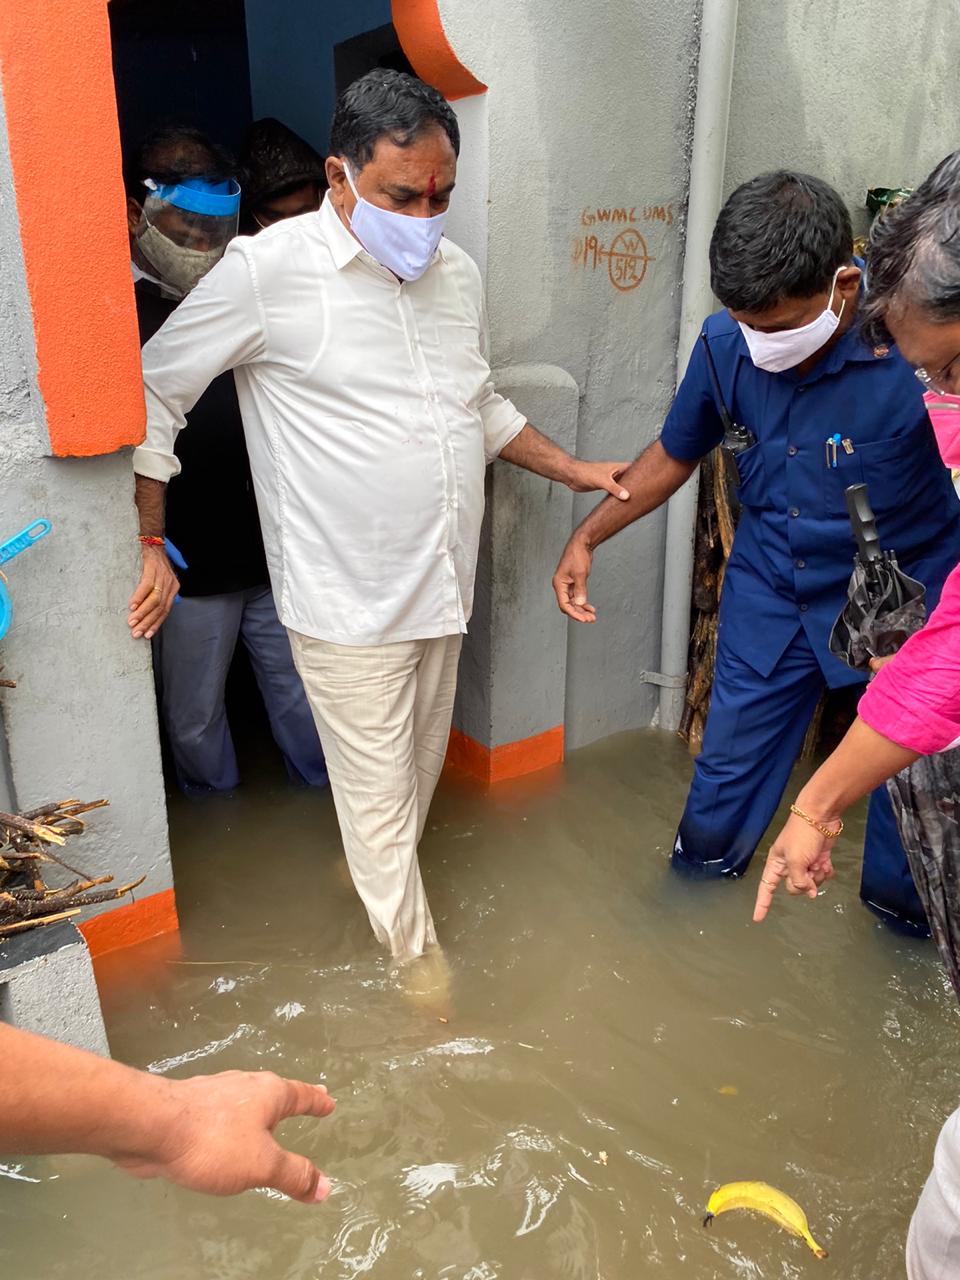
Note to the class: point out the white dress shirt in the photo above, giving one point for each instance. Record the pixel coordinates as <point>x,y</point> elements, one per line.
<point>369,414</point>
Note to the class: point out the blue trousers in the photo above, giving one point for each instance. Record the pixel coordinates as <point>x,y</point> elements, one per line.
<point>192,655</point>
<point>754,733</point>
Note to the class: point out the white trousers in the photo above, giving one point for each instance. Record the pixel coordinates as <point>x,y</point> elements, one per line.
<point>933,1242</point>
<point>383,714</point>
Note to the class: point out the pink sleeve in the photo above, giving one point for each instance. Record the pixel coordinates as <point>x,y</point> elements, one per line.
<point>915,699</point>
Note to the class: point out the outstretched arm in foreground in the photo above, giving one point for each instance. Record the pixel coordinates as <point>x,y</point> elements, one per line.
<point>208,1133</point>
<point>801,855</point>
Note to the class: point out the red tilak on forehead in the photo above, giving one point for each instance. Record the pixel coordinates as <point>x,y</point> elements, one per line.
<point>432,185</point>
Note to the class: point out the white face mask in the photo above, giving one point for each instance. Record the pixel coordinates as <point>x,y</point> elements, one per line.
<point>403,244</point>
<point>180,269</point>
<point>776,352</point>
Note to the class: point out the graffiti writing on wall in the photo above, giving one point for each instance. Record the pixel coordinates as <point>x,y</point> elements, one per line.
<point>623,253</point>
<point>626,257</point>
<point>633,214</point>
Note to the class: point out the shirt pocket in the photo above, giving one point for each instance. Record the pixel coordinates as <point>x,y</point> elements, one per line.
<point>463,361</point>
<point>837,479</point>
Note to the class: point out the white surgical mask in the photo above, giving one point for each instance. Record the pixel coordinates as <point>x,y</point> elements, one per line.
<point>403,244</point>
<point>776,352</point>
<point>180,269</point>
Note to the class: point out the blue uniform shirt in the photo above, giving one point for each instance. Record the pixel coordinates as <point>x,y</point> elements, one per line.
<point>793,552</point>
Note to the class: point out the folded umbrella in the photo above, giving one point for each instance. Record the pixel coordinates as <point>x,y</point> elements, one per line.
<point>884,605</point>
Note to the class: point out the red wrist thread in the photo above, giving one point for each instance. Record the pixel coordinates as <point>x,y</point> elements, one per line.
<point>149,541</point>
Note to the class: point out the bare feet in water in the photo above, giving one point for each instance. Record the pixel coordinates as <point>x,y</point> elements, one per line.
<point>427,982</point>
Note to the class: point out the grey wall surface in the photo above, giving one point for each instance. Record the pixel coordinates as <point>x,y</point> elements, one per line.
<point>513,670</point>
<point>589,110</point>
<point>82,720</point>
<point>862,93</point>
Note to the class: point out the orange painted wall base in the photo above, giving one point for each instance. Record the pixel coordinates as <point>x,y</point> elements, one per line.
<point>132,923</point>
<point>511,760</point>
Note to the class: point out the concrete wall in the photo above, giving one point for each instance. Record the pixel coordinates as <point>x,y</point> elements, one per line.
<point>467,223</point>
<point>82,720</point>
<point>861,93</point>
<point>589,110</point>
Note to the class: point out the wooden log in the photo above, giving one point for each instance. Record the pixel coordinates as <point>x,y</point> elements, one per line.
<point>36,831</point>
<point>20,925</point>
<point>811,739</point>
<point>726,504</point>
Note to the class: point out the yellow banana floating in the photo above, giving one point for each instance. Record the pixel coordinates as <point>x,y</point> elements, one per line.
<point>762,1198</point>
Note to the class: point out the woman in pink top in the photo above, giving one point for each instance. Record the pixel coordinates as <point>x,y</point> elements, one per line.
<point>912,708</point>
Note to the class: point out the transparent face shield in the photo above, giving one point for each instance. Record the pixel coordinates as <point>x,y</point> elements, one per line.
<point>185,229</point>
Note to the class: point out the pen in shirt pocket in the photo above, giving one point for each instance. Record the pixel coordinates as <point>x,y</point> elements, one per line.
<point>831,445</point>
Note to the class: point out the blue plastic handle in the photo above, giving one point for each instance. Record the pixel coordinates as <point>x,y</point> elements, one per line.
<point>174,555</point>
<point>34,531</point>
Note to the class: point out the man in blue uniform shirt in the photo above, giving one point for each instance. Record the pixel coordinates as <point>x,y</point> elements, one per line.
<point>794,371</point>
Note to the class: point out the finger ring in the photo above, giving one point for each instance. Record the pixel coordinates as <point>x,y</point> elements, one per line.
<point>771,884</point>
<point>156,591</point>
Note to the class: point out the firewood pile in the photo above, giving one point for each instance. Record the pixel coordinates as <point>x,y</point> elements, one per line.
<point>27,843</point>
<point>717,515</point>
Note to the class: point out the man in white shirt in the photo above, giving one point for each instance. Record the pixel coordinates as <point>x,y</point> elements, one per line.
<point>358,339</point>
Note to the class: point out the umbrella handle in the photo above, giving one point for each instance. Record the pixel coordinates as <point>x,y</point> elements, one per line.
<point>864,524</point>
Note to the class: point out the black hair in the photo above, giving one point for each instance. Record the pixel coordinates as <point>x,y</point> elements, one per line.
<point>274,161</point>
<point>173,152</point>
<point>780,235</point>
<point>914,254</point>
<point>388,104</point>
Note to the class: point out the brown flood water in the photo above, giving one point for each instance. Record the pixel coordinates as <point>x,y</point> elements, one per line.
<point>599,1005</point>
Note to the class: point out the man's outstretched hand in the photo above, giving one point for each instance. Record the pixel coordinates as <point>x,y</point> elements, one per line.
<point>219,1136</point>
<point>208,1133</point>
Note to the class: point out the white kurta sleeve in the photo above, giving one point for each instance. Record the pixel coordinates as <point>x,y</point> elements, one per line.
<point>502,420</point>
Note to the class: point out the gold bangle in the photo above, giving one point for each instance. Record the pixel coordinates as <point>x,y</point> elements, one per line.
<point>818,826</point>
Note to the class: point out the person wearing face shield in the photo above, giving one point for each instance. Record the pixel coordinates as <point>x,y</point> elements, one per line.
<point>182,209</point>
<point>815,406</point>
<point>358,339</point>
